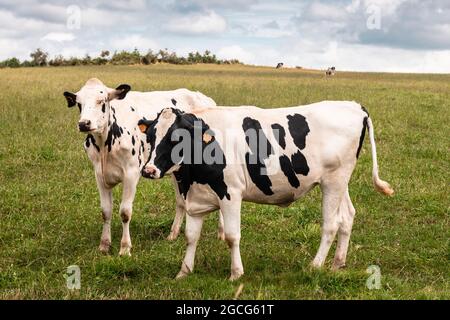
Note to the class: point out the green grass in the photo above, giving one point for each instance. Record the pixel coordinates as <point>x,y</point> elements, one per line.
<point>50,215</point>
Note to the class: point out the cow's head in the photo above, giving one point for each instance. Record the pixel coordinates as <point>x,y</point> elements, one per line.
<point>163,134</point>
<point>93,100</point>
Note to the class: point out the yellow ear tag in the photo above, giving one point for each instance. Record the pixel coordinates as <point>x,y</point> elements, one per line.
<point>143,128</point>
<point>207,137</point>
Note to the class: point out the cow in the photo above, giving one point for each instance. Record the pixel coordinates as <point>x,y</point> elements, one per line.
<point>279,65</point>
<point>117,148</point>
<point>266,156</point>
<point>330,71</point>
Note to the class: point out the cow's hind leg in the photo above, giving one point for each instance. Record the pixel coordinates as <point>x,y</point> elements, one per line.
<point>333,190</point>
<point>347,212</point>
<point>126,210</point>
<point>232,226</point>
<point>221,230</point>
<point>192,232</point>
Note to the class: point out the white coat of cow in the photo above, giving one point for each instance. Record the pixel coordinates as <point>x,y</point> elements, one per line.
<point>117,148</point>
<point>311,145</point>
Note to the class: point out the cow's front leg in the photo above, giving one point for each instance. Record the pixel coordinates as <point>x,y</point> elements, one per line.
<point>126,209</point>
<point>192,232</point>
<point>231,211</point>
<point>106,202</point>
<point>180,212</point>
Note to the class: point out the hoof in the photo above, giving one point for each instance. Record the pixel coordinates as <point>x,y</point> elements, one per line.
<point>221,235</point>
<point>104,246</point>
<point>338,266</point>
<point>181,275</point>
<point>315,265</point>
<point>236,275</point>
<point>125,252</point>
<point>172,236</point>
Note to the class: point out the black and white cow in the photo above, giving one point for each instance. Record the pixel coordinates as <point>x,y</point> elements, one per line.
<point>116,146</point>
<point>272,156</point>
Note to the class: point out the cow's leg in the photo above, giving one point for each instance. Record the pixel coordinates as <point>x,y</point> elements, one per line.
<point>333,191</point>
<point>106,203</point>
<point>232,226</point>
<point>178,221</point>
<point>180,212</point>
<point>126,209</point>
<point>192,232</point>
<point>347,212</point>
<point>221,230</point>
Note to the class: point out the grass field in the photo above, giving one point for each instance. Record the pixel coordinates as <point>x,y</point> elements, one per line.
<point>50,215</point>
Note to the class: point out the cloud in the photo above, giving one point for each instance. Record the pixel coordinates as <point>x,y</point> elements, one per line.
<point>134,41</point>
<point>58,36</point>
<point>271,25</point>
<point>236,52</point>
<point>197,23</point>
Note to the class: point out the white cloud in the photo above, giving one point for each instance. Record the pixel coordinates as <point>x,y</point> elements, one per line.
<point>198,23</point>
<point>236,52</point>
<point>58,36</point>
<point>133,41</point>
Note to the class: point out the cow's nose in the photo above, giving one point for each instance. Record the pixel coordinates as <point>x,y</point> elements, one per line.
<point>84,126</point>
<point>148,171</point>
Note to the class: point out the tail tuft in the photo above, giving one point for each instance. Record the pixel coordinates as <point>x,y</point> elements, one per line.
<point>383,187</point>
<point>380,185</point>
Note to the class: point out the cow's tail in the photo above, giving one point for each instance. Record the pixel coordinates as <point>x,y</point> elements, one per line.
<point>380,185</point>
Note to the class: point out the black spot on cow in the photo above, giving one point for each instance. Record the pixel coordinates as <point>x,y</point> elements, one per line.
<point>133,141</point>
<point>132,109</point>
<point>280,134</point>
<point>299,163</point>
<point>128,132</point>
<point>174,102</point>
<point>104,107</point>
<point>365,111</point>
<point>254,159</point>
<point>79,106</point>
<point>91,140</point>
<point>288,170</point>
<point>115,132</point>
<point>133,152</point>
<point>362,136</point>
<point>299,129</point>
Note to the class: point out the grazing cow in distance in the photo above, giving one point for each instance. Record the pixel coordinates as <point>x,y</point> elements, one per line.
<point>267,156</point>
<point>280,65</point>
<point>118,149</point>
<point>331,71</point>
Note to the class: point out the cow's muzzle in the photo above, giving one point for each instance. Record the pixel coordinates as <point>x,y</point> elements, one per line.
<point>151,172</point>
<point>84,126</point>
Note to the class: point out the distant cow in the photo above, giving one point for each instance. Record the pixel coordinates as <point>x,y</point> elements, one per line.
<point>331,71</point>
<point>280,65</point>
<point>117,148</point>
<point>271,156</point>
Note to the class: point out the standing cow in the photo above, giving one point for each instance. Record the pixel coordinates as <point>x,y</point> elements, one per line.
<point>272,156</point>
<point>117,148</point>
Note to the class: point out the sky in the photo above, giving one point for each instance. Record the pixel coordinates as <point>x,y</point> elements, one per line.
<point>357,35</point>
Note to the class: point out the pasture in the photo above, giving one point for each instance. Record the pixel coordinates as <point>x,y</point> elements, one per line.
<point>50,215</point>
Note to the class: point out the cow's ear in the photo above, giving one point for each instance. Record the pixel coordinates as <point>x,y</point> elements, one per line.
<point>144,124</point>
<point>71,99</point>
<point>119,93</point>
<point>190,121</point>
